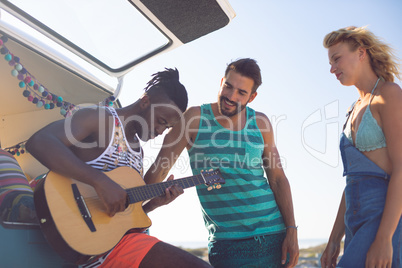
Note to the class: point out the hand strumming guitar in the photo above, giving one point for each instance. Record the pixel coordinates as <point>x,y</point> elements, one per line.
<point>112,195</point>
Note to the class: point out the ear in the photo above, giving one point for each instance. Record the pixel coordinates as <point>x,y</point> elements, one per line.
<point>252,96</point>
<point>145,102</point>
<point>362,53</point>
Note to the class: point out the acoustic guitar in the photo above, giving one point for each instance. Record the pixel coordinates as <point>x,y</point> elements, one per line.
<point>75,223</point>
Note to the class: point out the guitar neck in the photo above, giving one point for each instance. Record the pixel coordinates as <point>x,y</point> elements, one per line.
<point>150,191</point>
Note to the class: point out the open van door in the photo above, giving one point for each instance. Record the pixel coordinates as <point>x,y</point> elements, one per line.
<point>57,56</point>
<point>67,47</point>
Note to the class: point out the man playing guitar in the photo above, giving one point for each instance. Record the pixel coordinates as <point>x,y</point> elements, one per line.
<point>96,140</point>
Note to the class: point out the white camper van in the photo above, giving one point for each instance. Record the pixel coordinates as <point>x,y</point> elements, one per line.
<point>57,56</point>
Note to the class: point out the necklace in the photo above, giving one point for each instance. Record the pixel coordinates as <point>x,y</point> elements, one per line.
<point>372,91</point>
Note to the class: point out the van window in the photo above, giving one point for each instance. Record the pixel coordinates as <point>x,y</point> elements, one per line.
<point>113,33</point>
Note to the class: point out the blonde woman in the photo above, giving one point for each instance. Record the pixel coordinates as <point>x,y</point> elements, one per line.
<point>371,147</point>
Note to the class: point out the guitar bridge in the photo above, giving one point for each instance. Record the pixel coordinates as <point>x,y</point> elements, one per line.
<point>82,206</point>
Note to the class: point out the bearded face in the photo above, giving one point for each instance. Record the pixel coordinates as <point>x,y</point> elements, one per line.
<point>235,93</point>
<point>229,108</point>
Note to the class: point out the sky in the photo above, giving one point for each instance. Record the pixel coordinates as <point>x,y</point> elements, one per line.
<point>304,101</point>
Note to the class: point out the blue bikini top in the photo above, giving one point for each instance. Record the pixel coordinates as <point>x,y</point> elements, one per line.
<point>369,135</point>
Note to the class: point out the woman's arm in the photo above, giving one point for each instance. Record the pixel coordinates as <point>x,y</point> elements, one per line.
<point>331,252</point>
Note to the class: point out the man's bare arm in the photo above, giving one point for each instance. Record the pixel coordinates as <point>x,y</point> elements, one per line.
<point>281,188</point>
<point>179,137</point>
<point>52,147</point>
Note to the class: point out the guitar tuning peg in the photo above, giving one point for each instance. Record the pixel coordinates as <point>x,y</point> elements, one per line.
<point>218,186</point>
<point>211,169</point>
<point>209,188</point>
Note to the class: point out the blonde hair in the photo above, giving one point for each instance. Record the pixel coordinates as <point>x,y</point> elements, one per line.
<point>382,58</point>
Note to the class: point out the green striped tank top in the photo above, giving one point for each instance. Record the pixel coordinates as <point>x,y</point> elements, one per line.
<point>245,206</point>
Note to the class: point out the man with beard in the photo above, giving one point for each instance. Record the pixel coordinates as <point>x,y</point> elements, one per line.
<point>250,219</point>
<point>96,140</point>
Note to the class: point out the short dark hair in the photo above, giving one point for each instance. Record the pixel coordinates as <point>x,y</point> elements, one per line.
<point>246,67</point>
<point>166,84</point>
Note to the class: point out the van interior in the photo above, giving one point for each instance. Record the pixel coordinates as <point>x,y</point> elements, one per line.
<point>59,56</point>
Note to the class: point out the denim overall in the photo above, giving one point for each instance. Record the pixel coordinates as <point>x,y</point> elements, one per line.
<point>365,194</point>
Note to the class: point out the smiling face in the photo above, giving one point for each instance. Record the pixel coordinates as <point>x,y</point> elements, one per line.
<point>345,64</point>
<point>235,92</point>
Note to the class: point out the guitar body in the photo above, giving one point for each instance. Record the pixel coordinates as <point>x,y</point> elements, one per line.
<point>62,222</point>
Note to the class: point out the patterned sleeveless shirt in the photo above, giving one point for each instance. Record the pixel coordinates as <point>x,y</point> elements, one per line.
<point>118,153</point>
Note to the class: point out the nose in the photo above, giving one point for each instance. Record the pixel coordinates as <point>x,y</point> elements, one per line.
<point>159,130</point>
<point>231,96</point>
<point>333,68</point>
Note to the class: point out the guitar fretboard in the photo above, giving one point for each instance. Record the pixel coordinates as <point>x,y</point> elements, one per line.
<point>150,191</point>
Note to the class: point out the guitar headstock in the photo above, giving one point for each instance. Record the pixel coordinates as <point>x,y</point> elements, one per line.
<point>213,179</point>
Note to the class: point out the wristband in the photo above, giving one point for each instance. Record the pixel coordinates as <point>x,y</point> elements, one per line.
<point>293,227</point>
